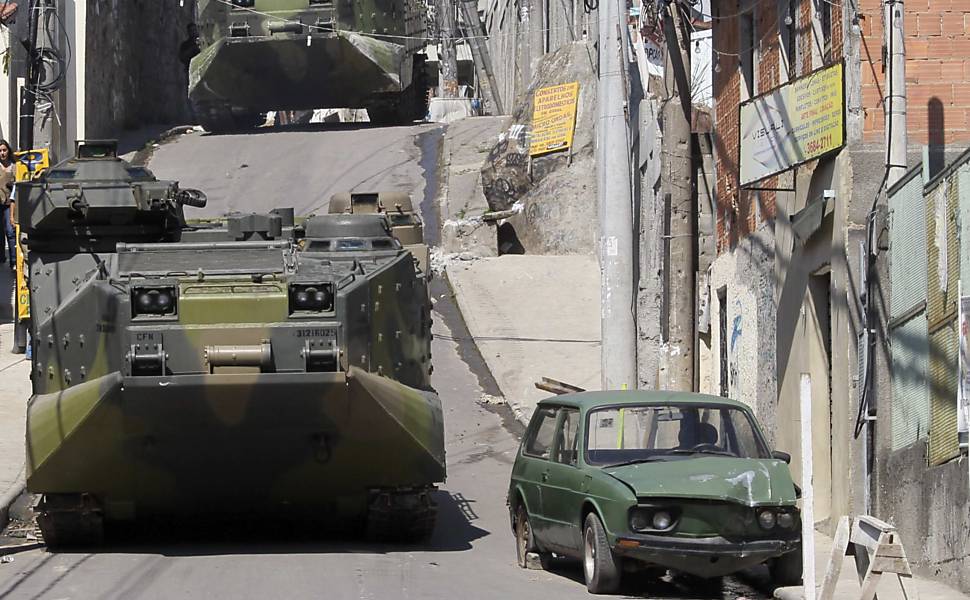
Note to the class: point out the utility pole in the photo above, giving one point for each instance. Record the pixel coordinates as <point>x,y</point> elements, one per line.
<point>676,184</point>
<point>483,61</point>
<point>35,72</point>
<point>447,62</point>
<point>614,193</point>
<point>895,101</point>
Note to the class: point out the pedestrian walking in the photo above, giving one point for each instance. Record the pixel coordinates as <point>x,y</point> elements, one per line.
<point>7,178</point>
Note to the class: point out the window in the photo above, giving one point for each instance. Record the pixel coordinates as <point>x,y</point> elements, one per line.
<point>543,431</point>
<point>670,432</point>
<point>825,16</point>
<point>787,13</point>
<point>748,53</point>
<point>566,441</point>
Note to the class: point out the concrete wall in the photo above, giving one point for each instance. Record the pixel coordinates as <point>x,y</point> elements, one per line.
<point>124,71</point>
<point>522,31</point>
<point>133,75</point>
<point>930,508</point>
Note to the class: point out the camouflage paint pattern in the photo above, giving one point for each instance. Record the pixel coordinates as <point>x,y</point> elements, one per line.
<point>304,54</point>
<point>235,400</point>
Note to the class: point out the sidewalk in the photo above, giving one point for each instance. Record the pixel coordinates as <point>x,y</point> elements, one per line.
<point>14,392</point>
<point>848,587</point>
<point>532,317</point>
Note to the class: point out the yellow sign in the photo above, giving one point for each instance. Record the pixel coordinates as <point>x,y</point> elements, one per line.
<point>795,123</point>
<point>554,118</point>
<point>30,164</point>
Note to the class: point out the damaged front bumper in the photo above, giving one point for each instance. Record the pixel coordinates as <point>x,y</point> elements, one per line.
<point>703,557</point>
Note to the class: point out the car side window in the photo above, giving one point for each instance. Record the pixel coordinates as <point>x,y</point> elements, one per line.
<point>543,432</point>
<point>568,430</point>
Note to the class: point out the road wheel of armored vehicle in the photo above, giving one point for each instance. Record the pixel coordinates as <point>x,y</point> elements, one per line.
<point>223,119</point>
<point>402,517</point>
<point>67,520</point>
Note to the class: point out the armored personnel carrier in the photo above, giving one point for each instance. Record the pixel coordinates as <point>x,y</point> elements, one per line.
<point>230,367</point>
<point>406,223</point>
<point>260,55</point>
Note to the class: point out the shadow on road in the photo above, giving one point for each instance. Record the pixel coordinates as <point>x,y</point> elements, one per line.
<point>752,584</point>
<point>270,534</point>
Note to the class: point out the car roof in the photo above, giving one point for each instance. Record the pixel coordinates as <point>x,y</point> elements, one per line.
<point>588,400</point>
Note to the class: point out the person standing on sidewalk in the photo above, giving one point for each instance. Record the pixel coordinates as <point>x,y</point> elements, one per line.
<point>7,178</point>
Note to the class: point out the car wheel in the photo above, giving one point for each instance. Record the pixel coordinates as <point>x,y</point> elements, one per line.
<point>600,566</point>
<point>786,570</point>
<point>524,541</point>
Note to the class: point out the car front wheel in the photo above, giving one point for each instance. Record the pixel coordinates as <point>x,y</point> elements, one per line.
<point>599,564</point>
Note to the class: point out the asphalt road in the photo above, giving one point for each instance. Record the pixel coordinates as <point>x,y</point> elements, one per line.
<point>471,554</point>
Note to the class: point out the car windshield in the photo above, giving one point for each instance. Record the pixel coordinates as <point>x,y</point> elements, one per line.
<point>630,434</point>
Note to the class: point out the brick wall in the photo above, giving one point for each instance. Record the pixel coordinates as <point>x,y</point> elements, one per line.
<point>739,212</point>
<point>937,70</point>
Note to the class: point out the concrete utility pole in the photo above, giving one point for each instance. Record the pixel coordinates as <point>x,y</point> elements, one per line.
<point>895,101</point>
<point>614,193</point>
<point>676,184</point>
<point>447,62</point>
<point>483,61</point>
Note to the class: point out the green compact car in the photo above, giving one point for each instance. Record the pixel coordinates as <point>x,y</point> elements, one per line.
<point>675,481</point>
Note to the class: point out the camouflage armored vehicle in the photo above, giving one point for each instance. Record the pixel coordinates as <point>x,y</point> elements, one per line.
<point>229,367</point>
<point>260,55</point>
<point>406,223</point>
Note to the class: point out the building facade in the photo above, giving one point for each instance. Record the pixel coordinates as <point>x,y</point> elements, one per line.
<point>799,289</point>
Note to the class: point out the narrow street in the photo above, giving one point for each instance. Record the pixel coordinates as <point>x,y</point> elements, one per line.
<point>471,554</point>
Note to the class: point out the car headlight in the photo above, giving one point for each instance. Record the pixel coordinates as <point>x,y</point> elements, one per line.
<point>766,518</point>
<point>155,301</point>
<point>662,520</point>
<point>310,298</point>
<point>786,520</point>
<point>639,519</point>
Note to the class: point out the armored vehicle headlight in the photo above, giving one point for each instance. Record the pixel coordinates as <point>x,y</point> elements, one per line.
<point>310,298</point>
<point>766,518</point>
<point>153,301</point>
<point>786,520</point>
<point>243,3</point>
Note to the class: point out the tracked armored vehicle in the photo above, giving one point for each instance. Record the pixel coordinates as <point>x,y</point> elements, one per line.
<point>238,366</point>
<point>260,55</point>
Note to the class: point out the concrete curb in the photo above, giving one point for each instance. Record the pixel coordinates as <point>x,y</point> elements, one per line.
<point>790,593</point>
<point>18,487</point>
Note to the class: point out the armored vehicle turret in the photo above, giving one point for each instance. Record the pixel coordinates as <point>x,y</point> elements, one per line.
<point>250,364</point>
<point>260,55</point>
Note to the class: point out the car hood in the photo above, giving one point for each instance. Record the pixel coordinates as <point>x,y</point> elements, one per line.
<point>743,480</point>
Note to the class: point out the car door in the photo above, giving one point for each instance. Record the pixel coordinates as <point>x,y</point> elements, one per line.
<point>536,450</point>
<point>561,497</point>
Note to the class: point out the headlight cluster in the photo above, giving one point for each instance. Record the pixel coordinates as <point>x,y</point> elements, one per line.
<point>769,518</point>
<point>311,298</point>
<point>155,301</point>
<point>652,519</point>
<point>243,3</point>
